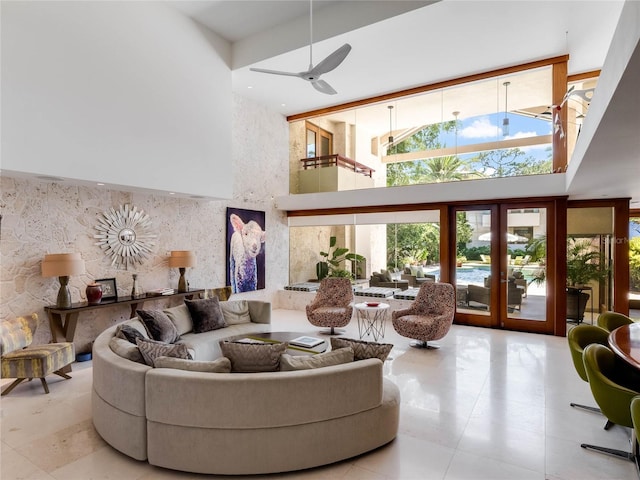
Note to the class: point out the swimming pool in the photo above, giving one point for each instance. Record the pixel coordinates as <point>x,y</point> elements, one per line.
<point>475,274</point>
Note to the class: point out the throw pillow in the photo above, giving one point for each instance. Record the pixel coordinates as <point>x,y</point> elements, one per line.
<point>159,326</point>
<point>180,317</point>
<point>362,349</point>
<point>306,362</point>
<point>386,275</point>
<point>138,325</point>
<point>235,312</point>
<point>126,349</point>
<point>206,314</point>
<point>152,349</point>
<point>419,273</point>
<point>220,365</point>
<point>127,332</point>
<point>253,357</point>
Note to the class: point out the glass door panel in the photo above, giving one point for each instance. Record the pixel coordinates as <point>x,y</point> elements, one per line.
<point>525,280</point>
<point>474,263</point>
<point>524,286</point>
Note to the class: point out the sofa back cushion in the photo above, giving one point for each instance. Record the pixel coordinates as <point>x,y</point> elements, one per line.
<point>181,318</point>
<point>235,312</point>
<point>307,362</point>
<point>219,365</point>
<point>125,349</point>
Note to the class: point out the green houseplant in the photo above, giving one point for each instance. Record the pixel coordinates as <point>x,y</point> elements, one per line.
<point>333,260</point>
<point>584,265</point>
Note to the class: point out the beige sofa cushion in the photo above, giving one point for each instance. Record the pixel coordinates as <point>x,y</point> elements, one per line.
<point>306,362</point>
<point>181,318</point>
<point>220,365</point>
<point>235,312</point>
<point>125,349</point>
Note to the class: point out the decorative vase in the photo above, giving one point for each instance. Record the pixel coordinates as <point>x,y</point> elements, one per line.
<point>135,290</point>
<point>94,293</point>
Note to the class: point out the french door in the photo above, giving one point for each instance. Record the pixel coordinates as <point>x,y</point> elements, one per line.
<point>504,265</point>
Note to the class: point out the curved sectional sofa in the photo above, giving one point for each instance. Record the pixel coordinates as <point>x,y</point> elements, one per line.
<point>240,423</point>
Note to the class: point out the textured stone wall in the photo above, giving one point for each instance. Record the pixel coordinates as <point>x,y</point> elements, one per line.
<point>41,217</point>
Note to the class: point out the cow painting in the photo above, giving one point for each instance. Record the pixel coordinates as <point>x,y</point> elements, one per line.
<point>246,243</point>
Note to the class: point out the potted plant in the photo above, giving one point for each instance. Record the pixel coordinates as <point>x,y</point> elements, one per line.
<point>583,266</point>
<point>331,265</point>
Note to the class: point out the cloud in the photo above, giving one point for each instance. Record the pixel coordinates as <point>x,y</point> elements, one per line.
<point>480,128</point>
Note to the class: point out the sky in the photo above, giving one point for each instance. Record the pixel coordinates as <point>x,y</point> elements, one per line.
<point>487,128</point>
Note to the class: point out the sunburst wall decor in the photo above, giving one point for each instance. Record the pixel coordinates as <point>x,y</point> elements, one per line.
<point>124,235</point>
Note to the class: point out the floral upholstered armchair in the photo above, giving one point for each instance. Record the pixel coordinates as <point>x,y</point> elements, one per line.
<point>430,315</point>
<point>332,306</point>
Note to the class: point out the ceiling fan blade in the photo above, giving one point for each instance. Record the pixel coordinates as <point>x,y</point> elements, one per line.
<point>323,87</point>
<point>275,72</point>
<point>332,61</point>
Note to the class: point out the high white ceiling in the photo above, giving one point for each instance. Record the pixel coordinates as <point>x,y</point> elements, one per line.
<point>402,44</point>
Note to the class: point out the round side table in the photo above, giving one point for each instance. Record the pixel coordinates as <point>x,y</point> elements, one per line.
<point>371,319</point>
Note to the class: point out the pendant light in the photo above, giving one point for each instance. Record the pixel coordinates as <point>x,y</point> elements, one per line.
<point>390,107</point>
<point>455,114</point>
<point>505,120</point>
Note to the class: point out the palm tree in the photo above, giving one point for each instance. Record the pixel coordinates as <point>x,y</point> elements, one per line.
<point>444,169</point>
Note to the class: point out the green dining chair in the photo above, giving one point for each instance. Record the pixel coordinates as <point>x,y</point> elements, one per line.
<point>613,384</point>
<point>578,338</point>
<point>612,320</point>
<point>635,418</point>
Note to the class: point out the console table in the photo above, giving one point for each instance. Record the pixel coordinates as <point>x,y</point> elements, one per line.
<point>63,321</point>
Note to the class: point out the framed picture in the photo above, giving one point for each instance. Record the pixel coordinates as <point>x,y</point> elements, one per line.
<point>109,290</point>
<point>245,250</point>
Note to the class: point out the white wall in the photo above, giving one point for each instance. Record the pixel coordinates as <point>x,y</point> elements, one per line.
<point>132,94</point>
<point>42,217</point>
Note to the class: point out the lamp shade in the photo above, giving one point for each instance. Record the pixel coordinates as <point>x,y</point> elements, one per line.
<point>62,265</point>
<point>182,259</point>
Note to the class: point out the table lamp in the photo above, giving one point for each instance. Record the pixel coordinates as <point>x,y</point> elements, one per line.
<point>181,259</point>
<point>62,265</point>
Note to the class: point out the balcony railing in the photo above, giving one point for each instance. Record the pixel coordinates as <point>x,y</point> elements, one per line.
<point>336,160</point>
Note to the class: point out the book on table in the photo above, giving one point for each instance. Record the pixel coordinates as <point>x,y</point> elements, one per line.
<point>307,342</point>
<point>161,291</point>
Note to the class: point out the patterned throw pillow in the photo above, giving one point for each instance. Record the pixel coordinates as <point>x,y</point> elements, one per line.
<point>219,365</point>
<point>206,314</point>
<point>235,312</point>
<point>152,349</point>
<point>129,333</point>
<point>306,362</point>
<point>362,349</point>
<point>158,325</point>
<point>253,357</point>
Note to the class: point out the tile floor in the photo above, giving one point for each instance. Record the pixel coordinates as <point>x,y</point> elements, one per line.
<point>487,405</point>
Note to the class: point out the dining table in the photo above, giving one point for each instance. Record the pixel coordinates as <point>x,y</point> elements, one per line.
<point>625,342</point>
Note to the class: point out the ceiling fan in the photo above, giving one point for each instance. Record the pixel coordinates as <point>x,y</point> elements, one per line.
<point>313,73</point>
